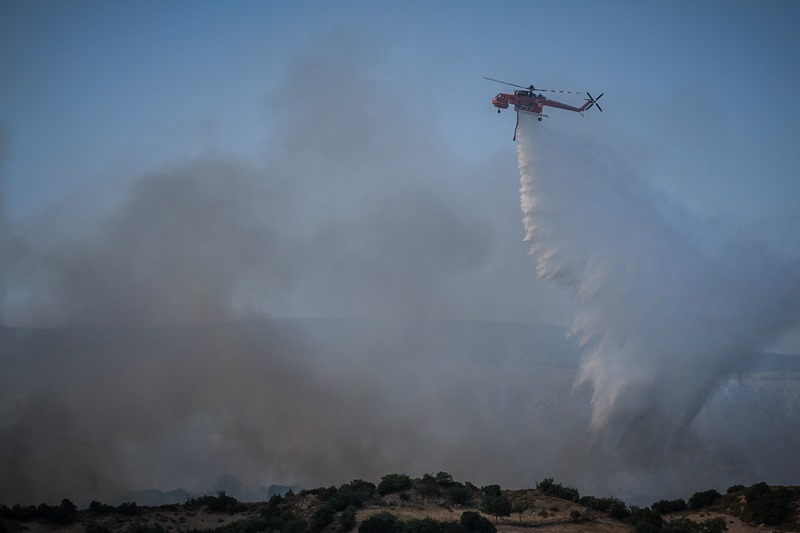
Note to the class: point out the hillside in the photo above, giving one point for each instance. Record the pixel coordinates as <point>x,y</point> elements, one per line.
<point>429,504</point>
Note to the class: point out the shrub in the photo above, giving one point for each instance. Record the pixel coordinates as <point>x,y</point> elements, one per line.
<point>733,489</point>
<point>99,508</point>
<point>221,503</point>
<point>765,505</point>
<point>63,514</point>
<point>128,508</point>
<point>496,504</point>
<point>459,495</point>
<point>347,519</point>
<point>429,525</point>
<point>358,489</point>
<point>383,522</point>
<point>322,517</point>
<point>645,520</point>
<point>613,506</point>
<point>669,506</point>
<point>685,525</point>
<point>272,519</point>
<point>557,490</point>
<point>701,500</point>
<point>444,479</point>
<point>428,486</point>
<point>393,483</point>
<point>474,522</point>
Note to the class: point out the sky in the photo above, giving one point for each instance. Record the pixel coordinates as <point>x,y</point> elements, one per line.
<point>184,163</point>
<point>696,96</point>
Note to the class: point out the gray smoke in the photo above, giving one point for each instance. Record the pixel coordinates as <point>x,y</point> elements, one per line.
<point>353,211</point>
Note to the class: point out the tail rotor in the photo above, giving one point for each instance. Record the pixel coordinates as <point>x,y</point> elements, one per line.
<point>593,101</point>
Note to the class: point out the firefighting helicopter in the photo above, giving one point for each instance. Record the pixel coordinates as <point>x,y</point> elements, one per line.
<point>526,100</point>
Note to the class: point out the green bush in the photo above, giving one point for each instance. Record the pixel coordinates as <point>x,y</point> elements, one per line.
<point>383,522</point>
<point>393,483</point>
<point>733,489</point>
<point>670,506</point>
<point>63,514</point>
<point>701,500</point>
<point>685,525</point>
<point>221,503</point>
<point>100,508</point>
<point>459,494</point>
<point>613,506</point>
<point>496,503</point>
<point>429,525</point>
<point>474,522</point>
<point>359,490</point>
<point>557,490</point>
<point>765,505</point>
<point>347,519</point>
<point>645,520</point>
<point>322,517</point>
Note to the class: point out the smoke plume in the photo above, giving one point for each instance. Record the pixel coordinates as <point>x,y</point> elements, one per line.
<point>664,314</point>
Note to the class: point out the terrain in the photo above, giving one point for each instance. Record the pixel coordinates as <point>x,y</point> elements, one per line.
<point>433,503</point>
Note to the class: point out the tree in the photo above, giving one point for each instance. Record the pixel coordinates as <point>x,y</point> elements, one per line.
<point>519,507</point>
<point>495,503</point>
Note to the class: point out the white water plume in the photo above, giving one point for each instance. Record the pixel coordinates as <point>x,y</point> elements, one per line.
<point>663,316</point>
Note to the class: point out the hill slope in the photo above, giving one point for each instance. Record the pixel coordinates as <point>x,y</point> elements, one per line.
<point>427,505</point>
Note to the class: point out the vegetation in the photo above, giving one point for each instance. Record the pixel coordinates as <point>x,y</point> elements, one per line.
<point>63,514</point>
<point>442,485</point>
<point>385,522</point>
<point>557,490</point>
<point>767,505</point>
<point>336,510</point>
<point>393,483</point>
<point>615,507</point>
<point>701,500</point>
<point>670,506</point>
<point>221,503</point>
<point>494,502</point>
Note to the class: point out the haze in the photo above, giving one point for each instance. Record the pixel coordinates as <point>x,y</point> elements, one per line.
<point>185,190</point>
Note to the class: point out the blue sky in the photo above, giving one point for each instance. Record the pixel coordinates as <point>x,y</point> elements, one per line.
<point>698,95</point>
<point>84,78</point>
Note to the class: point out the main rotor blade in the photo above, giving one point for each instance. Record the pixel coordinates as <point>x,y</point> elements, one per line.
<point>506,83</point>
<point>559,91</point>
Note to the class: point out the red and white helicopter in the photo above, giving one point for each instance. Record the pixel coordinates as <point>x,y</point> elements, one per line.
<point>526,100</point>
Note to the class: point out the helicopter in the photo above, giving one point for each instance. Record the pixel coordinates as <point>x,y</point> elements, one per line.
<point>526,100</point>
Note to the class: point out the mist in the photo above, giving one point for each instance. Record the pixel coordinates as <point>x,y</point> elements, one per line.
<point>355,300</point>
<point>669,309</point>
